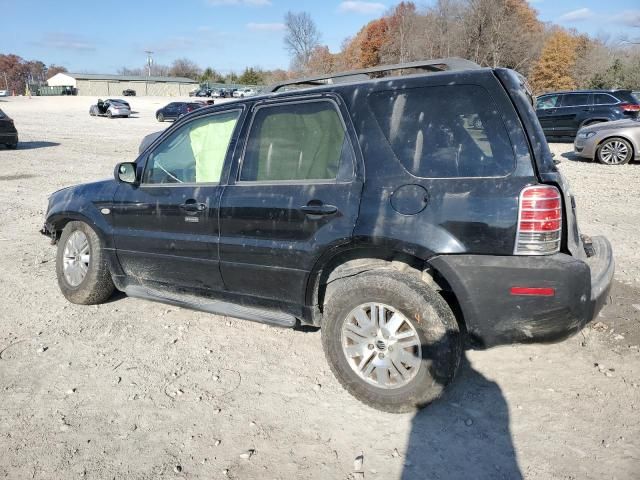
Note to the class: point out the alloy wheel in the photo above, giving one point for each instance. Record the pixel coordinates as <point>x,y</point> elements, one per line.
<point>76,259</point>
<point>381,346</point>
<point>614,152</point>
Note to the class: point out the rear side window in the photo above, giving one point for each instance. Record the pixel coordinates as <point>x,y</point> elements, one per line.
<point>603,99</point>
<point>445,131</point>
<point>575,99</point>
<point>297,141</point>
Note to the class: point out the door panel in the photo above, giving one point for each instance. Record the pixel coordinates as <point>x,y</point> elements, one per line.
<point>296,198</point>
<point>268,245</point>
<point>166,230</point>
<point>158,237</point>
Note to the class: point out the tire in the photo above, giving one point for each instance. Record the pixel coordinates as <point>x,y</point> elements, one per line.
<point>109,114</point>
<point>423,310</point>
<point>96,286</point>
<point>614,151</point>
<point>12,146</point>
<point>160,117</point>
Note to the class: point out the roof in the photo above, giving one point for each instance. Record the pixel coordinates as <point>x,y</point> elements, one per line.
<point>422,66</point>
<point>128,78</point>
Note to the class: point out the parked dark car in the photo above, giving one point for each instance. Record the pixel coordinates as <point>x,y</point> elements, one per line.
<point>201,92</point>
<point>175,110</point>
<point>562,114</point>
<point>406,216</point>
<point>8,132</point>
<point>129,92</point>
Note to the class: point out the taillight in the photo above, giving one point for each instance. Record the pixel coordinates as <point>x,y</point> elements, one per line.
<point>539,221</point>
<point>629,107</point>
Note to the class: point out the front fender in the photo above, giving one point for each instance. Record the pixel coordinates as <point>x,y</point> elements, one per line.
<point>84,203</point>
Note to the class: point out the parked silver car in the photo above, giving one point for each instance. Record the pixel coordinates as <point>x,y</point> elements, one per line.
<point>110,108</point>
<point>611,143</point>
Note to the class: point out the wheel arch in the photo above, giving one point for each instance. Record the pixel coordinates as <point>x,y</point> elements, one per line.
<point>352,260</point>
<point>635,147</point>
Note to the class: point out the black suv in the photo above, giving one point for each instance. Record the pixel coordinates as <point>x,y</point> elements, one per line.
<point>406,216</point>
<point>562,114</point>
<point>175,110</point>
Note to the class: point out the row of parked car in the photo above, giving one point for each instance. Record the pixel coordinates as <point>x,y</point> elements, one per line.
<point>603,123</point>
<point>224,92</point>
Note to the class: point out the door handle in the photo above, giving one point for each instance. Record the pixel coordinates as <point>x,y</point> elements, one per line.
<point>319,209</point>
<point>192,206</point>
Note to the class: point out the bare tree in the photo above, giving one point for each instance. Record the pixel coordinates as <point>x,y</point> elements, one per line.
<point>183,67</point>
<point>301,39</point>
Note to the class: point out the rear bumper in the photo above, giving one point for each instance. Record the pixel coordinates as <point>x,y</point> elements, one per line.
<point>10,138</point>
<point>493,316</point>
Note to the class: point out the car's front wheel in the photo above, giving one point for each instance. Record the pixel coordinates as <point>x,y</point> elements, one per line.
<point>391,341</point>
<point>81,267</point>
<point>614,151</point>
<point>160,117</point>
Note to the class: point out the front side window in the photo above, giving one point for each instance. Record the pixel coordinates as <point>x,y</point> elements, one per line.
<point>296,141</point>
<point>548,101</point>
<point>194,153</point>
<point>575,100</point>
<point>445,131</point>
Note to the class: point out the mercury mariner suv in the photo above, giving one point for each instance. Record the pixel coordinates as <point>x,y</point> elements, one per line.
<point>408,211</point>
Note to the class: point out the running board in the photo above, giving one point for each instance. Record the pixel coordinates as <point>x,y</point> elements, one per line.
<point>216,307</point>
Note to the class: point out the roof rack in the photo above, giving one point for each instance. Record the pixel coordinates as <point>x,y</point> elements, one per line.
<point>435,65</point>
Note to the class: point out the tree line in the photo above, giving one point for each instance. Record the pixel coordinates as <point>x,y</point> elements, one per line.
<point>16,72</point>
<point>493,33</point>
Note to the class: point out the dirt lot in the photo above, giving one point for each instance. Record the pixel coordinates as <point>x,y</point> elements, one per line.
<point>133,389</point>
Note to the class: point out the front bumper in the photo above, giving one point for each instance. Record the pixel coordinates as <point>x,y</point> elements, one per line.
<point>585,148</point>
<point>493,316</point>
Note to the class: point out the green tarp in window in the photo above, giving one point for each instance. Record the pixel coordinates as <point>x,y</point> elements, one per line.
<point>209,143</point>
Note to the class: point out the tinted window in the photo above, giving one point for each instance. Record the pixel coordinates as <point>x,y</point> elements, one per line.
<point>298,141</point>
<point>575,99</point>
<point>448,131</point>
<point>603,99</point>
<point>194,153</point>
<point>548,101</point>
<point>2,115</point>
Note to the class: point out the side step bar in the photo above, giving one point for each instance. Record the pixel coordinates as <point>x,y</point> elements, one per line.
<point>216,307</point>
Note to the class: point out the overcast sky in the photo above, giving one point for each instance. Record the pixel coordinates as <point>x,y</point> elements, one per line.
<point>225,34</point>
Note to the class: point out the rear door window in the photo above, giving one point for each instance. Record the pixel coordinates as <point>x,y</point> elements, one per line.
<point>575,99</point>
<point>445,131</point>
<point>296,141</point>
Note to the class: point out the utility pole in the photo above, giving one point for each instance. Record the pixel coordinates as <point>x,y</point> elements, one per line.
<point>149,61</point>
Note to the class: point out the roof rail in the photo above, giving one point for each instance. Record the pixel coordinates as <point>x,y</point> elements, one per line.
<point>435,65</point>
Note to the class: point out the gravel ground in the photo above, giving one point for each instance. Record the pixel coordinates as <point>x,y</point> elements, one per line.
<point>138,390</point>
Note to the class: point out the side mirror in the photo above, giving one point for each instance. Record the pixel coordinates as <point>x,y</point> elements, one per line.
<point>126,172</point>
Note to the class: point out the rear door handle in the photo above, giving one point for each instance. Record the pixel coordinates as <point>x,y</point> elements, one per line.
<point>321,209</point>
<point>192,206</point>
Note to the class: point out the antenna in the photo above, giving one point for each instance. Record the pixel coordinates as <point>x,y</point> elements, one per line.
<point>149,61</point>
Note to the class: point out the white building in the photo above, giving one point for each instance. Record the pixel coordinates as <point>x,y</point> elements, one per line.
<point>105,85</point>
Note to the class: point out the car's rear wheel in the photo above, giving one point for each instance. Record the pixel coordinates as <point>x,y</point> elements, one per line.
<point>81,267</point>
<point>391,341</point>
<point>160,117</point>
<point>109,114</point>
<point>614,151</point>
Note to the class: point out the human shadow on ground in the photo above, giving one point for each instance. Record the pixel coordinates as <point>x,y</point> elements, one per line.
<point>464,435</point>
<point>574,157</point>
<point>35,145</point>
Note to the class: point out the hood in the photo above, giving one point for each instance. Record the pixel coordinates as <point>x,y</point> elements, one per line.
<point>624,123</point>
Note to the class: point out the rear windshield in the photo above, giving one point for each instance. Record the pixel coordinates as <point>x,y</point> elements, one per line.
<point>445,131</point>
